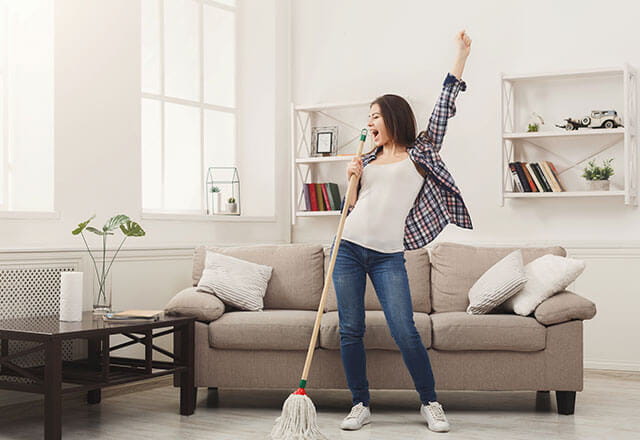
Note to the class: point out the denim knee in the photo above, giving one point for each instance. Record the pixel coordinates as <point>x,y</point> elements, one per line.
<point>407,337</point>
<point>351,333</point>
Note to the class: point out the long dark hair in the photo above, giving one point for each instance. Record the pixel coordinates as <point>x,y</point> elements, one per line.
<point>398,118</point>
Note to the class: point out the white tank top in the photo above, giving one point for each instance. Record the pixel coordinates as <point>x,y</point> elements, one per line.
<point>387,194</point>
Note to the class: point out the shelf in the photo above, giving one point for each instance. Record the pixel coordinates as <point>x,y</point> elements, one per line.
<point>516,195</point>
<point>568,149</point>
<point>316,213</point>
<point>569,74</point>
<point>330,106</point>
<point>585,132</point>
<point>325,159</point>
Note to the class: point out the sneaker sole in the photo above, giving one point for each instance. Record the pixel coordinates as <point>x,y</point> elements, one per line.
<point>355,429</point>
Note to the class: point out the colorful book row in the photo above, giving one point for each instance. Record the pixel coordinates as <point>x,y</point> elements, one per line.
<point>322,197</point>
<point>535,177</point>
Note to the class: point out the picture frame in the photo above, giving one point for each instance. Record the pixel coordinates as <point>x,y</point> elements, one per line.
<point>324,141</point>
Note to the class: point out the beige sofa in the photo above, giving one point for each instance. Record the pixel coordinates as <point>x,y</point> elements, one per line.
<point>497,351</point>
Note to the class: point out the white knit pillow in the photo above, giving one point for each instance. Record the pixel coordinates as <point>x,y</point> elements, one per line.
<point>546,276</point>
<point>236,282</point>
<point>503,280</point>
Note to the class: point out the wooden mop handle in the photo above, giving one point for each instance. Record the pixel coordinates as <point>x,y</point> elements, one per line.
<point>327,280</point>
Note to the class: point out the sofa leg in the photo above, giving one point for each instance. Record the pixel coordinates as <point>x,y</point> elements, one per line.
<point>212,397</point>
<point>566,401</point>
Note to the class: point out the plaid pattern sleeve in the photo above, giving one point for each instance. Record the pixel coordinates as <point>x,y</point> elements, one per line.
<point>444,109</point>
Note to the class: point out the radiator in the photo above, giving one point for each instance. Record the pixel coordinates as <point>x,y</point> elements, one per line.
<point>33,290</point>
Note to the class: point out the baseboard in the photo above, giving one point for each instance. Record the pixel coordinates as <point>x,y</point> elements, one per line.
<point>609,365</point>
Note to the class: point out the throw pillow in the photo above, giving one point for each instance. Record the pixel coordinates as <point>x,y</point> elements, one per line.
<point>189,302</point>
<point>503,280</point>
<point>546,276</point>
<point>236,282</point>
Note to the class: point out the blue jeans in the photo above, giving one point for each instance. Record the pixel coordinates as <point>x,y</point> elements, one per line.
<point>389,277</point>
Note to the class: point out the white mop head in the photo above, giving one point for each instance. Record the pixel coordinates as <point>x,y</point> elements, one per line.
<point>298,420</point>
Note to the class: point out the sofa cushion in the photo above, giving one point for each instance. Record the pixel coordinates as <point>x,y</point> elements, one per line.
<point>564,306</point>
<point>265,330</point>
<point>456,267</point>
<point>454,331</point>
<point>297,277</point>
<point>189,302</point>
<point>376,335</point>
<point>417,264</point>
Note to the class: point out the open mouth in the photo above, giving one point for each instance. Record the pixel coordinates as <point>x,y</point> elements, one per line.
<point>374,133</point>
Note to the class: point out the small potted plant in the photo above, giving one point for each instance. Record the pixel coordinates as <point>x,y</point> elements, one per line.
<point>534,123</point>
<point>216,200</point>
<point>232,206</point>
<point>598,177</point>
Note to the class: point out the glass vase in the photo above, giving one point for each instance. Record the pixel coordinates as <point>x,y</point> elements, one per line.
<point>102,294</point>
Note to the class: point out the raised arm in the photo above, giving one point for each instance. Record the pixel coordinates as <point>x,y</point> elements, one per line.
<point>445,106</point>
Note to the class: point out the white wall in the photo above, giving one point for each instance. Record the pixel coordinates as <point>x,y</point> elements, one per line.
<point>357,50</point>
<point>341,51</point>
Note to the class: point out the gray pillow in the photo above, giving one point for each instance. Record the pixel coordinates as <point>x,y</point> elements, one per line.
<point>236,282</point>
<point>503,280</point>
<point>189,302</point>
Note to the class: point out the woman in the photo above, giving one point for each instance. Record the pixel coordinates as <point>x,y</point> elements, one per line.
<point>404,199</point>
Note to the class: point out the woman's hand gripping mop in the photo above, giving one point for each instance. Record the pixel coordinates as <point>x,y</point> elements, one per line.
<point>298,419</point>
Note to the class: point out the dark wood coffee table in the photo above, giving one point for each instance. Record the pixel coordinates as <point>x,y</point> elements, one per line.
<point>99,369</point>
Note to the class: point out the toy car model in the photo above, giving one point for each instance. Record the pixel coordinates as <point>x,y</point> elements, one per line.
<point>598,119</point>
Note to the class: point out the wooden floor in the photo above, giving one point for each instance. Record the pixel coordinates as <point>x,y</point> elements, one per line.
<point>608,408</point>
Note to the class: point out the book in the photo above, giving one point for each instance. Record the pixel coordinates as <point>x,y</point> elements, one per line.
<point>549,175</point>
<point>335,201</point>
<point>515,178</point>
<point>556,175</point>
<point>312,196</point>
<point>333,189</point>
<point>521,176</point>
<point>133,316</point>
<point>532,184</point>
<point>325,195</point>
<point>541,177</point>
<point>319,197</point>
<point>307,200</point>
<point>534,176</point>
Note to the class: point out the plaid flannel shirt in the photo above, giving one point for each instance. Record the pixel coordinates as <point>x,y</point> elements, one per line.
<point>439,201</point>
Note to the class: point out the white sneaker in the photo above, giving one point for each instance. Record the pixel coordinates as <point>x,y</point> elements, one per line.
<point>434,414</point>
<point>359,415</point>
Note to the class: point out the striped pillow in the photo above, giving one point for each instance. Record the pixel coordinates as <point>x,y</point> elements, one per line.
<point>503,280</point>
<point>236,282</point>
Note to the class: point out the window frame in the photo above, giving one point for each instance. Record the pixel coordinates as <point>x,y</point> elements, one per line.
<point>162,98</point>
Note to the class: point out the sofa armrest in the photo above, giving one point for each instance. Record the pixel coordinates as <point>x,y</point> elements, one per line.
<point>191,302</point>
<point>564,306</point>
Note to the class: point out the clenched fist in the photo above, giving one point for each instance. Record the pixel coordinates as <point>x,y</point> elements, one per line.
<point>354,168</point>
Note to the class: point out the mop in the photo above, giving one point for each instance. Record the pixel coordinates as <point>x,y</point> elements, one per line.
<point>298,419</point>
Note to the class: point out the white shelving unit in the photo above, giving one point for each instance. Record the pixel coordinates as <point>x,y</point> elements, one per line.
<point>304,167</point>
<point>551,142</point>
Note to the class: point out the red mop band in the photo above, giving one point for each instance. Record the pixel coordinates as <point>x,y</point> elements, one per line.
<point>300,391</point>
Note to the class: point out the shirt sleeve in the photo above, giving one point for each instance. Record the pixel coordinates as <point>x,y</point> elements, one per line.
<point>444,109</point>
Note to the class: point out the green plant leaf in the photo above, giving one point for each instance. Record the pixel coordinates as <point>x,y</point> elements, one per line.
<point>82,226</point>
<point>115,222</point>
<point>132,229</point>
<point>98,231</point>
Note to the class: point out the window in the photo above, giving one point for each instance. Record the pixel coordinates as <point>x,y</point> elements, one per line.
<point>26,105</point>
<point>188,99</point>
